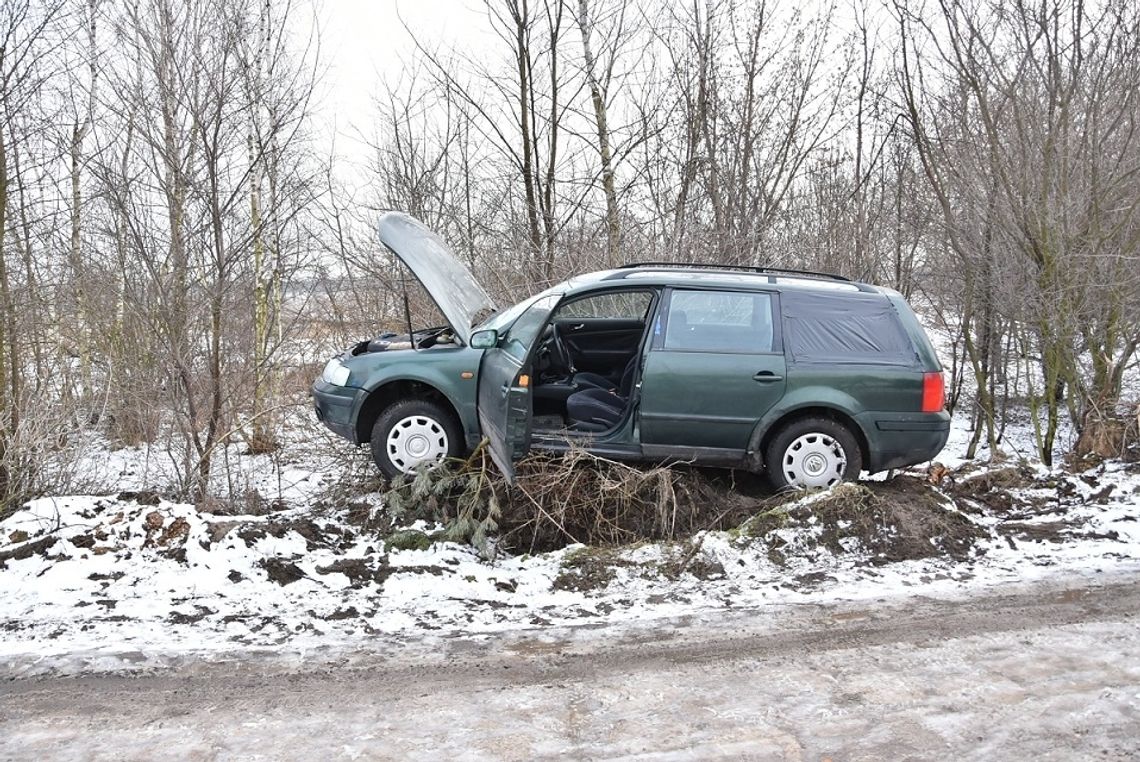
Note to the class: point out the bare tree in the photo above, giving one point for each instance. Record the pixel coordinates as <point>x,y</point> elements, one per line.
<point>24,34</point>
<point>751,108</point>
<point>598,96</point>
<point>1039,217</point>
<point>203,182</point>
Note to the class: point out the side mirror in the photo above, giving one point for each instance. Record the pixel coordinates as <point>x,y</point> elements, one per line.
<point>487,339</point>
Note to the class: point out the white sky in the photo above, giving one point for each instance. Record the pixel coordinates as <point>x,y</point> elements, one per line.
<point>365,42</point>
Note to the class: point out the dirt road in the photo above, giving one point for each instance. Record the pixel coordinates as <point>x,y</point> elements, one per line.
<point>1046,672</point>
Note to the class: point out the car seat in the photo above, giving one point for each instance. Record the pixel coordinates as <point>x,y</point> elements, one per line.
<point>597,408</point>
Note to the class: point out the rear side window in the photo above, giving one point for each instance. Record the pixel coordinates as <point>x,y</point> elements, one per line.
<point>844,328</point>
<point>719,321</point>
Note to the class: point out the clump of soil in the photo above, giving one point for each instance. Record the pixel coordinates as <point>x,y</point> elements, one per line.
<point>589,569</point>
<point>200,613</point>
<point>898,520</point>
<point>40,546</point>
<point>360,571</point>
<point>143,497</point>
<point>367,517</point>
<point>997,490</point>
<point>340,614</point>
<point>313,535</point>
<point>281,571</point>
<point>689,558</point>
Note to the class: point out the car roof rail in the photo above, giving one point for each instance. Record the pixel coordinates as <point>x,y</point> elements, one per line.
<point>735,268</point>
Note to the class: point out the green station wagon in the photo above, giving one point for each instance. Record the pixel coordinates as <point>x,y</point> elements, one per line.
<point>809,377</point>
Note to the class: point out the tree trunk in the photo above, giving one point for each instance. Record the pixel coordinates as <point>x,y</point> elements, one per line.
<point>522,59</point>
<point>5,421</point>
<point>597,97</point>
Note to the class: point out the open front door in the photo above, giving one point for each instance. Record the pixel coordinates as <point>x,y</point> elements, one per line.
<point>504,387</point>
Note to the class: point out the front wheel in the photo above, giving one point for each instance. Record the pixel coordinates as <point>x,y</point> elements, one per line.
<point>813,453</point>
<point>414,433</point>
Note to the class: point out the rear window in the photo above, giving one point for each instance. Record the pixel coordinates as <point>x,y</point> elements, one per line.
<point>848,328</point>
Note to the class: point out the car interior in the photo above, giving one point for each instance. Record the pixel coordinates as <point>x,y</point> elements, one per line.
<point>586,361</point>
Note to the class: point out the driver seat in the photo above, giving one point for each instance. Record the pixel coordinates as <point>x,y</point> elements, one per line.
<point>599,407</point>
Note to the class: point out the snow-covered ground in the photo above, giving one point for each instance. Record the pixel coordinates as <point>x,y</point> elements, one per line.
<point>130,580</point>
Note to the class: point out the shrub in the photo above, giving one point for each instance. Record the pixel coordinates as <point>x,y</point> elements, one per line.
<point>575,498</point>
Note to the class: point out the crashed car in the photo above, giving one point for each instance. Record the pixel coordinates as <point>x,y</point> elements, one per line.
<point>810,377</point>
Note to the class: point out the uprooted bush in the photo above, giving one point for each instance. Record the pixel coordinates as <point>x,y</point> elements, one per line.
<point>574,498</point>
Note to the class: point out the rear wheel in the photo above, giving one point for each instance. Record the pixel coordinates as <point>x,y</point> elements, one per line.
<point>414,433</point>
<point>813,453</point>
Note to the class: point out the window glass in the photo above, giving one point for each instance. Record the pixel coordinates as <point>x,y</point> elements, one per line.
<point>719,321</point>
<point>525,330</point>
<point>618,305</point>
<point>856,328</point>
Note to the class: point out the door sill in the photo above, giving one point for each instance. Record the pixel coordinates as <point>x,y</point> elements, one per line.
<point>568,440</point>
<point>703,456</point>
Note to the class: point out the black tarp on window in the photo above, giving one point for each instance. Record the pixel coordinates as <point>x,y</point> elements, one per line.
<point>844,328</point>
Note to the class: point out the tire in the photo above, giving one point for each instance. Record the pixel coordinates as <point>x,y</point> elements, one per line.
<point>413,432</point>
<point>813,453</point>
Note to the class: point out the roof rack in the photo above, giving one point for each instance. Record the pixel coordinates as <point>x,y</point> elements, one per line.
<point>736,268</point>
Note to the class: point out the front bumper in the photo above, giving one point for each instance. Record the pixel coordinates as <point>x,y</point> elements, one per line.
<point>335,407</point>
<point>903,439</point>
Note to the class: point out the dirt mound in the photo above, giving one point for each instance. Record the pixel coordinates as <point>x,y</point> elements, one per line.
<point>901,519</point>
<point>579,498</point>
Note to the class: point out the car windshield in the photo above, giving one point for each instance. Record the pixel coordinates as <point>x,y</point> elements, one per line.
<point>503,319</point>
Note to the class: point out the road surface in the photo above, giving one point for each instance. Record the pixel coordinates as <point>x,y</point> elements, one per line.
<point>1046,672</point>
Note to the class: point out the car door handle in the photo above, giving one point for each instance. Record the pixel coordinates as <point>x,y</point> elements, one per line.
<point>767,377</point>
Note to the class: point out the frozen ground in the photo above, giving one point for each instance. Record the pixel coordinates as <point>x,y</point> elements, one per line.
<point>131,581</point>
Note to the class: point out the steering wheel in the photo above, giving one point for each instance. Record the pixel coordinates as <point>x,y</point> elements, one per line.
<point>563,354</point>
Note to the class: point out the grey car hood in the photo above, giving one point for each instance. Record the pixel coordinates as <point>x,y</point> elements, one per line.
<point>449,282</point>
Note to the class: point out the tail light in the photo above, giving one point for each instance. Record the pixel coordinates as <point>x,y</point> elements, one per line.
<point>933,393</point>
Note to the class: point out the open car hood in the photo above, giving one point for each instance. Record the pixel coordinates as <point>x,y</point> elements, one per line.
<point>449,282</point>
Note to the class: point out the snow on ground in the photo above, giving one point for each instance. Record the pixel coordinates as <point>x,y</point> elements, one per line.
<point>131,580</point>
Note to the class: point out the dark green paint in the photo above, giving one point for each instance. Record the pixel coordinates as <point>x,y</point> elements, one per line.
<point>714,406</point>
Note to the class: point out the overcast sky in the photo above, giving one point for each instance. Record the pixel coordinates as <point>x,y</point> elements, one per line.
<point>364,42</point>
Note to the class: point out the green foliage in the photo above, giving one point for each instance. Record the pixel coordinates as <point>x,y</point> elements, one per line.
<point>764,522</point>
<point>460,494</point>
<point>407,539</point>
